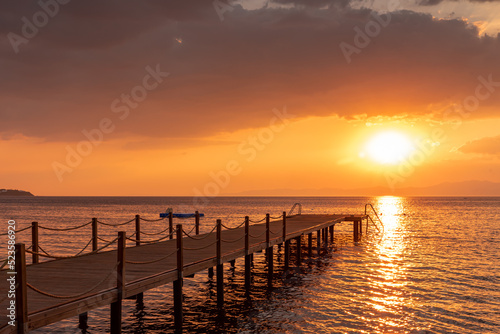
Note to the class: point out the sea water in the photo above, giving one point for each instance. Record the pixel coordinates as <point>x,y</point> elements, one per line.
<point>434,269</point>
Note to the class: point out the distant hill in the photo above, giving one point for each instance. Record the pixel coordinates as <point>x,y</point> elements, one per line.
<point>14,192</point>
<point>465,188</point>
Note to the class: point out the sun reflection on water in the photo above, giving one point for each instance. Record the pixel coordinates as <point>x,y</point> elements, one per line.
<point>389,279</point>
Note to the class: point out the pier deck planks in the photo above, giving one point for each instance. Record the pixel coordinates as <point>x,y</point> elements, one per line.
<point>72,276</point>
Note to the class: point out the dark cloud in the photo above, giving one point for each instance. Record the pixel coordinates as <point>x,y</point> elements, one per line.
<point>436,2</point>
<point>230,74</point>
<point>484,146</point>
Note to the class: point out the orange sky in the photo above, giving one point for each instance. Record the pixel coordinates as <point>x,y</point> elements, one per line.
<point>113,98</point>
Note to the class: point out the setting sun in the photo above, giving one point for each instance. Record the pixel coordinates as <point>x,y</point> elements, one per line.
<point>389,147</point>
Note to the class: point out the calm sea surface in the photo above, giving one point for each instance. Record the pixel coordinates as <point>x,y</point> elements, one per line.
<point>434,270</point>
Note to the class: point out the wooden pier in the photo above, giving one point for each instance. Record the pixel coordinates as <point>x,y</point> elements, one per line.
<point>51,291</point>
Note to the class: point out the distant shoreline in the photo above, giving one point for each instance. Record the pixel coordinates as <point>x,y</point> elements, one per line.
<point>15,192</point>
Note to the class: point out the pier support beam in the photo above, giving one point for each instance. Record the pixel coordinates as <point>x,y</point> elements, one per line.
<point>116,307</point>
<point>21,289</point>
<point>34,241</point>
<point>310,244</point>
<point>355,227</point>
<point>270,266</point>
<point>178,283</point>
<point>299,249</point>
<point>331,233</point>
<point>220,269</point>
<point>326,238</point>
<point>248,257</point>
<point>318,242</point>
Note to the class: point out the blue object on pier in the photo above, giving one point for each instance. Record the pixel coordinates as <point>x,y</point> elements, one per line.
<point>180,215</point>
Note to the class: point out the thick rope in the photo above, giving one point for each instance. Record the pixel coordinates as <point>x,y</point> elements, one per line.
<point>152,220</point>
<point>200,238</point>
<point>276,217</point>
<point>64,229</point>
<point>17,231</point>
<point>257,221</point>
<point>232,241</point>
<point>156,233</point>
<point>4,263</point>
<point>120,224</point>
<point>153,261</point>
<point>199,248</point>
<point>71,296</point>
<point>256,236</point>
<point>233,228</point>
<point>151,241</point>
<point>45,254</point>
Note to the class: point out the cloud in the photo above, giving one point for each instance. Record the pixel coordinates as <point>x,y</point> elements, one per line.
<point>436,2</point>
<point>484,146</point>
<point>229,75</point>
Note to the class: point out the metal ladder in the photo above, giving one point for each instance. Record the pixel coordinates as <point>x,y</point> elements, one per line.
<point>368,205</point>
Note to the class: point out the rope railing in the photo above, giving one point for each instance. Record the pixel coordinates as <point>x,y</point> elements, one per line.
<point>17,231</point>
<point>150,241</point>
<point>46,254</point>
<point>114,225</point>
<point>232,228</point>
<point>156,233</point>
<point>200,238</point>
<point>257,221</point>
<point>278,217</point>
<point>200,248</point>
<point>256,236</point>
<point>64,229</point>
<point>232,241</point>
<point>152,220</point>
<point>153,261</point>
<point>51,295</point>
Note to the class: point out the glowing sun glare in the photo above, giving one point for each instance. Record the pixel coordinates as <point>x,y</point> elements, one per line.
<point>389,147</point>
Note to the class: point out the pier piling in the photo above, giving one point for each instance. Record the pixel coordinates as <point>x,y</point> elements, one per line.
<point>116,307</point>
<point>178,315</point>
<point>21,289</point>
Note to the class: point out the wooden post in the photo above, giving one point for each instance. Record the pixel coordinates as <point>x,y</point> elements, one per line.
<point>139,297</point>
<point>326,237</point>
<point>299,249</point>
<point>286,242</point>
<point>269,253</point>
<point>355,230</point>
<point>318,242</point>
<point>248,258</point>
<point>310,244</point>
<point>83,317</point>
<point>21,289</point>
<point>360,226</point>
<point>197,222</point>
<point>95,241</point>
<point>138,230</point>
<point>34,241</point>
<point>284,226</point>
<point>331,234</point>
<point>267,230</point>
<point>116,307</point>
<point>178,316</point>
<point>220,268</point>
<point>171,224</point>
